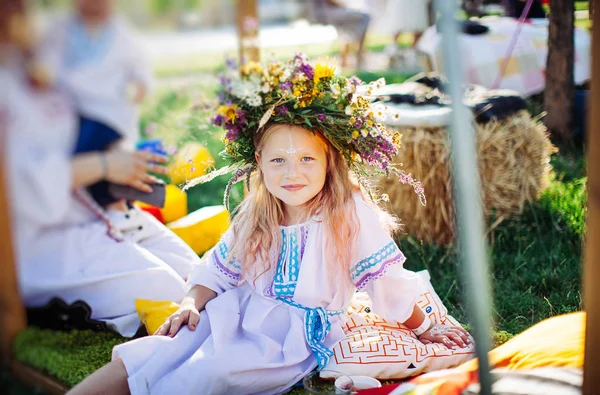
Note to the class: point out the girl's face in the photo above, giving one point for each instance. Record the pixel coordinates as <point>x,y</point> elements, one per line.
<point>294,165</point>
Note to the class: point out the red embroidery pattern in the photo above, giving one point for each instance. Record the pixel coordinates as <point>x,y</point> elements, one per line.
<point>371,339</point>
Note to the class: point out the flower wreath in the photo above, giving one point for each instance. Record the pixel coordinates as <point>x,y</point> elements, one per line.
<point>315,98</point>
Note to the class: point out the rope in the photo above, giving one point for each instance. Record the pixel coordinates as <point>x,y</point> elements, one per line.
<point>512,45</point>
<point>88,202</point>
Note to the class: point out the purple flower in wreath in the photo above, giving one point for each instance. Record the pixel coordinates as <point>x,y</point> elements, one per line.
<point>231,63</point>
<point>241,115</point>
<point>307,70</point>
<point>286,86</point>
<point>321,117</point>
<point>232,133</point>
<point>224,81</point>
<point>218,120</point>
<point>354,80</point>
<point>300,58</point>
<point>281,111</point>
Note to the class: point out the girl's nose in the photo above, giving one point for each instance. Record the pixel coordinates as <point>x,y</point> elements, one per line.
<point>292,170</point>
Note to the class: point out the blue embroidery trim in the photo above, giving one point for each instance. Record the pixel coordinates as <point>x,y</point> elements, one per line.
<point>285,286</point>
<point>230,268</point>
<point>367,264</point>
<point>223,269</point>
<point>223,249</point>
<point>317,325</point>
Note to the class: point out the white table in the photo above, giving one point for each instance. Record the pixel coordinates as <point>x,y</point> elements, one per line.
<point>483,55</point>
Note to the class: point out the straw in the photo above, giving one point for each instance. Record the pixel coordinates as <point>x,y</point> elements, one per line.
<point>513,158</point>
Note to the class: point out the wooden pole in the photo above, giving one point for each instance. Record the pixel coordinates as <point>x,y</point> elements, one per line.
<point>12,313</point>
<point>248,28</point>
<point>591,269</point>
<point>559,93</point>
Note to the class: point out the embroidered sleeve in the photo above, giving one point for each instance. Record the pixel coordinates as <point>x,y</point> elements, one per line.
<point>376,265</point>
<point>375,251</point>
<point>379,269</point>
<point>217,270</point>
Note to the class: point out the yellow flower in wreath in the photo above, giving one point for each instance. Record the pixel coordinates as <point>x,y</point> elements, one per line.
<point>323,71</point>
<point>229,112</point>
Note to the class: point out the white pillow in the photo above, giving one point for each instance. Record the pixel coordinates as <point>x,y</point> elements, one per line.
<point>388,350</point>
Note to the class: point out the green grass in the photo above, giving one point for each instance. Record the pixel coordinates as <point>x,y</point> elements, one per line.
<point>582,5</point>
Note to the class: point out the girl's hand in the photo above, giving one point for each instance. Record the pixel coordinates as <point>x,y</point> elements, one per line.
<point>132,168</point>
<point>450,336</point>
<point>186,314</point>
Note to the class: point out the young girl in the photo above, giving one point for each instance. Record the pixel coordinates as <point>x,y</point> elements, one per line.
<point>267,305</point>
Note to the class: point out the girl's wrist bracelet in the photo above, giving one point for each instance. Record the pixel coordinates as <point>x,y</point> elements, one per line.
<point>423,327</point>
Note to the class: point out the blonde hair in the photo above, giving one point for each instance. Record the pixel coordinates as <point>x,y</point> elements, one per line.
<point>256,235</point>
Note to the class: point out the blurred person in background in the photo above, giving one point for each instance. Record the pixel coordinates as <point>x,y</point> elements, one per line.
<point>351,19</point>
<point>65,247</point>
<point>405,16</point>
<point>99,62</point>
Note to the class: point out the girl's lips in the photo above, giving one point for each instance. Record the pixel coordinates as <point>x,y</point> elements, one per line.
<point>294,187</point>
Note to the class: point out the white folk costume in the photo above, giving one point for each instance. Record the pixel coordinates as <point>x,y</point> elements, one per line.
<point>263,336</point>
<point>62,246</point>
<point>97,68</point>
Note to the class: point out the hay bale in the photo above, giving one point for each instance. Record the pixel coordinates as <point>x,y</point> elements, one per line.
<point>514,165</point>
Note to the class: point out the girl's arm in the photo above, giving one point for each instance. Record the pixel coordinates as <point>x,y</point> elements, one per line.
<point>379,271</point>
<point>200,295</point>
<point>416,319</point>
<point>189,311</point>
<point>427,333</point>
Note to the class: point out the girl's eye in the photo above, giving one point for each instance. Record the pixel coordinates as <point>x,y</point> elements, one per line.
<point>277,160</point>
<point>307,159</point>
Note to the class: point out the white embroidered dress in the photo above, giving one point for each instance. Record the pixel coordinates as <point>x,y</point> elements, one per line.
<point>263,338</point>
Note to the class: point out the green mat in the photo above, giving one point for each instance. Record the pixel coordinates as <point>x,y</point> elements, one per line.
<point>67,356</point>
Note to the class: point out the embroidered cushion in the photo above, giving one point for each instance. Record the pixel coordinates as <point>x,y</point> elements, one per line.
<point>388,350</point>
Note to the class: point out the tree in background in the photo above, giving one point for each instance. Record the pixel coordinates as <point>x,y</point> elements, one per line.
<point>560,90</point>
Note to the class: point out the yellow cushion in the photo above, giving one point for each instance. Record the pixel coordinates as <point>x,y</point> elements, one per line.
<point>154,313</point>
<point>203,228</point>
<point>191,161</point>
<point>556,341</point>
<point>175,204</point>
